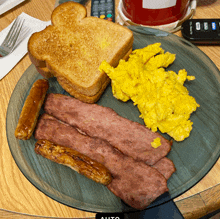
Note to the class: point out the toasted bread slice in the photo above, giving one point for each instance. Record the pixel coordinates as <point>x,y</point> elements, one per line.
<point>73,47</point>
<point>67,86</point>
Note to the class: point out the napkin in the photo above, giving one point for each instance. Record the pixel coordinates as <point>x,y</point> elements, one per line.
<point>7,5</point>
<point>9,61</point>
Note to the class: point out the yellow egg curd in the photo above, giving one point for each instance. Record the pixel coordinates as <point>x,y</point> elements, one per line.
<point>162,99</point>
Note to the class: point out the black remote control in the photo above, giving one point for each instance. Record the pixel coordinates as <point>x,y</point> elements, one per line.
<point>83,2</point>
<point>202,31</point>
<point>103,9</point>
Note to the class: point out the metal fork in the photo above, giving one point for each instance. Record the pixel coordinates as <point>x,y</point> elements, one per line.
<point>9,43</point>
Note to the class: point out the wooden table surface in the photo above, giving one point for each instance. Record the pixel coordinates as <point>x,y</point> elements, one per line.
<point>20,199</point>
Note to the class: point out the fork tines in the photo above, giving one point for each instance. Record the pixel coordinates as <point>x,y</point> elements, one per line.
<point>10,40</point>
<point>14,32</point>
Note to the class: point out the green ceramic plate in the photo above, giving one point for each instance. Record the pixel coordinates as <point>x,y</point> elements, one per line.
<point>193,157</point>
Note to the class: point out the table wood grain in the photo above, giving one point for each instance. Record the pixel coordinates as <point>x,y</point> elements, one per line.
<point>20,199</point>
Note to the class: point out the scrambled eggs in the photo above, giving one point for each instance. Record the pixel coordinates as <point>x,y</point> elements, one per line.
<point>163,101</point>
<point>156,143</point>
